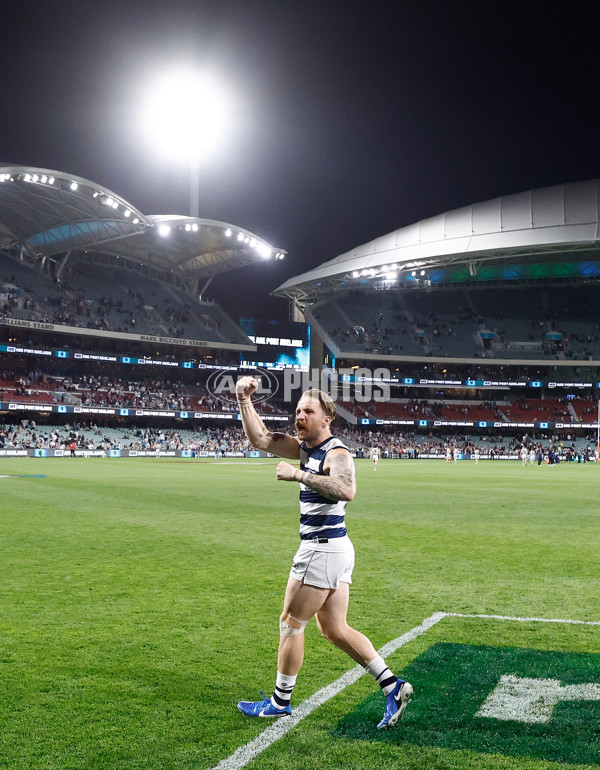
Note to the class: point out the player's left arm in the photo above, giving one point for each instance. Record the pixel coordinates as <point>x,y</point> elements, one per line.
<point>338,481</point>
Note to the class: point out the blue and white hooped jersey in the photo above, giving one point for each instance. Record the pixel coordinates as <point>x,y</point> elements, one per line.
<point>320,516</point>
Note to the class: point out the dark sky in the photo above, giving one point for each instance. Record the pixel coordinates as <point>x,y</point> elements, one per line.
<point>351,119</point>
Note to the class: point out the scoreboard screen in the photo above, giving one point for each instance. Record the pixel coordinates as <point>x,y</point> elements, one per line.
<point>279,344</point>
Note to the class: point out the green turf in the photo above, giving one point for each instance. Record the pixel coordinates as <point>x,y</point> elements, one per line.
<point>452,678</point>
<point>139,602</point>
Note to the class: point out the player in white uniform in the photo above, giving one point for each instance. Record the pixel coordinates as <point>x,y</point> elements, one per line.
<point>524,454</point>
<point>318,584</point>
<point>375,456</point>
<point>477,455</point>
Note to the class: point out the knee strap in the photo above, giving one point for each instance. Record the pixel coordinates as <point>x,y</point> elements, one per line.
<point>289,626</point>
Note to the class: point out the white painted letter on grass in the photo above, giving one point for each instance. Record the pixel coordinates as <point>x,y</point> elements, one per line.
<point>533,700</point>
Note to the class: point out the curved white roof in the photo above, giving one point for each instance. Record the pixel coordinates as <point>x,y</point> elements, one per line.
<point>45,213</point>
<point>550,219</point>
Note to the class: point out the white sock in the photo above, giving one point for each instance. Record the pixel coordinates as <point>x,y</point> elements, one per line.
<point>382,675</point>
<point>283,690</point>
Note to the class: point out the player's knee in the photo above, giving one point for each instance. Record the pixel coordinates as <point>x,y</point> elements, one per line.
<point>290,626</point>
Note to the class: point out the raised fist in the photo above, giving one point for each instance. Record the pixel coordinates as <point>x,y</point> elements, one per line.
<point>245,387</point>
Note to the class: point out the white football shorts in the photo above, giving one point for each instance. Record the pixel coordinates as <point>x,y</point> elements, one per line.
<point>323,569</point>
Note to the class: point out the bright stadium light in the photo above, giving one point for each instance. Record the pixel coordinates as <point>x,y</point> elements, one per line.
<point>186,116</point>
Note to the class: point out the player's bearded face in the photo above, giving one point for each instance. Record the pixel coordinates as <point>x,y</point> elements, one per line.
<point>310,419</point>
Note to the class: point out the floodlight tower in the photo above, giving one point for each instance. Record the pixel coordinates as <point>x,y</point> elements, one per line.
<point>186,117</point>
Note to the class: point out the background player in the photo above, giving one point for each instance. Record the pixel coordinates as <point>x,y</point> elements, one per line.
<point>375,456</point>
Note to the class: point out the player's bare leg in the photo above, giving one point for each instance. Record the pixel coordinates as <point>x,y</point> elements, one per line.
<point>301,602</point>
<point>331,620</point>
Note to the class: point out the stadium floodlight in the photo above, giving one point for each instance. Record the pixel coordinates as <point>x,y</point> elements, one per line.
<point>228,233</point>
<point>186,116</point>
<point>74,186</point>
<point>164,230</point>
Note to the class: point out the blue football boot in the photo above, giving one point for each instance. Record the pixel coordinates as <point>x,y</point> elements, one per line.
<point>263,708</point>
<point>395,703</point>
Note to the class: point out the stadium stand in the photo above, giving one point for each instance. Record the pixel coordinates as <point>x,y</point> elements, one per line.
<point>498,311</point>
<point>545,323</point>
<point>98,297</point>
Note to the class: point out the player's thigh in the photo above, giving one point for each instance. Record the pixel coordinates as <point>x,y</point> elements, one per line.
<point>303,601</point>
<point>334,610</point>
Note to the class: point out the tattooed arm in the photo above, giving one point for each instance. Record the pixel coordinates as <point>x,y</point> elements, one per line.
<point>339,482</point>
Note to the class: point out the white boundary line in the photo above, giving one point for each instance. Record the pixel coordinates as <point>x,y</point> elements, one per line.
<point>280,727</point>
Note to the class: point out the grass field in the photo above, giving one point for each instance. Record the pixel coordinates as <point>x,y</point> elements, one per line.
<point>139,601</point>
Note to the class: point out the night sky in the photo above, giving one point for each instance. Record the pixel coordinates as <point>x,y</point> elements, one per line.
<point>350,120</point>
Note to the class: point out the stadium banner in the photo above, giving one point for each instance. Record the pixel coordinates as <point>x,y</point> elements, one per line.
<point>159,340</point>
<point>18,406</point>
<point>480,424</point>
<point>114,453</point>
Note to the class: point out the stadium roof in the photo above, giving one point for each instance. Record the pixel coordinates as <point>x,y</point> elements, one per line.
<point>548,222</point>
<point>47,214</point>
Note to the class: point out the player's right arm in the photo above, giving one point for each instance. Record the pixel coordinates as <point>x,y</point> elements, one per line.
<point>280,444</point>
